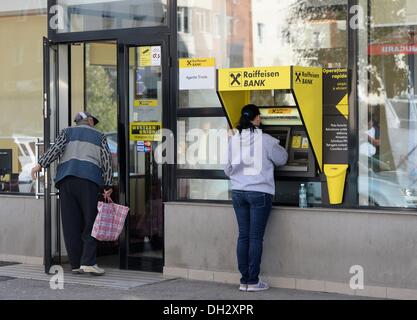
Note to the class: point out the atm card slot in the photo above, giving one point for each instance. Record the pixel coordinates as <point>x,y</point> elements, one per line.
<point>294,168</point>
<point>301,156</point>
<point>280,117</point>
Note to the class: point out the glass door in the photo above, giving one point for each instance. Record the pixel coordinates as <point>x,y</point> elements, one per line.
<point>55,89</point>
<point>146,97</point>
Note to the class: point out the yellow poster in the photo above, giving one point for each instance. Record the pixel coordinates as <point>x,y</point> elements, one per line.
<point>196,62</point>
<point>304,143</point>
<point>145,131</point>
<point>145,103</point>
<point>296,142</point>
<point>145,56</point>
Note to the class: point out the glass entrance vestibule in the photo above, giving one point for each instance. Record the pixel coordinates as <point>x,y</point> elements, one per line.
<point>121,77</point>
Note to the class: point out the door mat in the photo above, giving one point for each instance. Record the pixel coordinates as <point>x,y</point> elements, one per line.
<point>114,278</point>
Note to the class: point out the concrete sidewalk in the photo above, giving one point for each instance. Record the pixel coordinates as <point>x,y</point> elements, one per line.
<point>87,287</point>
<point>177,289</point>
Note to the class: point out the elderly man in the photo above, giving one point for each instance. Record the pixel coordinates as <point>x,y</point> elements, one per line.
<point>84,170</point>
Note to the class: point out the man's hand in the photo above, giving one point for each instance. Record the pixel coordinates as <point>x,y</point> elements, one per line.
<point>107,193</point>
<point>35,170</point>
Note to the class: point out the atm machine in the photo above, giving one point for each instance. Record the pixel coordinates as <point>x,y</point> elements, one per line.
<point>282,120</point>
<point>290,102</point>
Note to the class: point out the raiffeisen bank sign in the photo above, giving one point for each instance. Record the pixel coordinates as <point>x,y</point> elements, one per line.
<point>264,78</point>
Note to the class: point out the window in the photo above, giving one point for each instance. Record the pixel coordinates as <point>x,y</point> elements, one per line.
<point>183,19</point>
<point>203,189</point>
<point>311,33</point>
<point>261,27</point>
<point>201,142</point>
<point>114,14</point>
<point>217,25</point>
<point>387,106</point>
<point>230,26</point>
<point>22,27</point>
<point>203,20</point>
<point>100,67</point>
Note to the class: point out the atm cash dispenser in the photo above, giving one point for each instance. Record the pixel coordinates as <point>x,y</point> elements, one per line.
<point>281,119</point>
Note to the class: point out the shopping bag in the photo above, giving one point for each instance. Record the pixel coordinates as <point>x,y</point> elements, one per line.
<point>109,221</point>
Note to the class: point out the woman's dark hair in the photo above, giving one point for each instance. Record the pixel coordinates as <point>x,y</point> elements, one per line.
<point>248,114</point>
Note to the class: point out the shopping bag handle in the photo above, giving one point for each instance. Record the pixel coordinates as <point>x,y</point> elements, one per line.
<point>108,199</point>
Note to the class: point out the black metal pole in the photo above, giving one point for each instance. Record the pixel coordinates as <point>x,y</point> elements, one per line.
<point>46,139</point>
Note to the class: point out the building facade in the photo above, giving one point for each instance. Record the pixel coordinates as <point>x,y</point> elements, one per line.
<point>119,60</point>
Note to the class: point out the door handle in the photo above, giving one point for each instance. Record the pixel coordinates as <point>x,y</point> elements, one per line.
<point>39,194</point>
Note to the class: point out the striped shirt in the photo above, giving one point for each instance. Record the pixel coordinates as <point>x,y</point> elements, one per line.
<point>61,143</point>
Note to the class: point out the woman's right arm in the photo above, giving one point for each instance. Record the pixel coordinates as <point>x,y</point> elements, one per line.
<point>277,154</point>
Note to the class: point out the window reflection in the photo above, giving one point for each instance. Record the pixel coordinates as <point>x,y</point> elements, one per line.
<point>201,146</point>
<point>388,114</point>
<point>264,32</point>
<point>21,80</point>
<point>101,90</point>
<point>203,189</point>
<point>254,33</point>
<point>114,14</point>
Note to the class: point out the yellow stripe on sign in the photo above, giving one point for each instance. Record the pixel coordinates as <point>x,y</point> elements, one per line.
<point>196,62</point>
<point>145,103</point>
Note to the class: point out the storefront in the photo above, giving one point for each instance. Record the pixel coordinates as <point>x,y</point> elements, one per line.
<point>120,60</point>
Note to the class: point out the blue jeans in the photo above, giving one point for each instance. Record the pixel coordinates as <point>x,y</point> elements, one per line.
<point>252,211</point>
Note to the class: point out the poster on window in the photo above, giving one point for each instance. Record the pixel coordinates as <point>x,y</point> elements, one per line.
<point>335,116</point>
<point>150,56</point>
<point>197,73</point>
<point>145,131</point>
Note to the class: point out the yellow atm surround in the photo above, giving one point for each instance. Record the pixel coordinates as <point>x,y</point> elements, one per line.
<point>234,88</point>
<point>304,83</point>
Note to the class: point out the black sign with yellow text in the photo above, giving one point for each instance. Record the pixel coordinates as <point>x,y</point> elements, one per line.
<point>335,116</point>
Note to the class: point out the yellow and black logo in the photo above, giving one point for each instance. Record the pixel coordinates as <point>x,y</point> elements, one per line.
<point>298,77</point>
<point>235,79</point>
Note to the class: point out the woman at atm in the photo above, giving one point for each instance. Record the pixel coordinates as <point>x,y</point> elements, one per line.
<point>252,156</point>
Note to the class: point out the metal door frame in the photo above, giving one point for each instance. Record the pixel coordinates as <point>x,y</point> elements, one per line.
<point>124,44</point>
<point>51,125</point>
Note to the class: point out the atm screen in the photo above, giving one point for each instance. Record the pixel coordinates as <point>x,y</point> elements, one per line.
<point>280,133</point>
